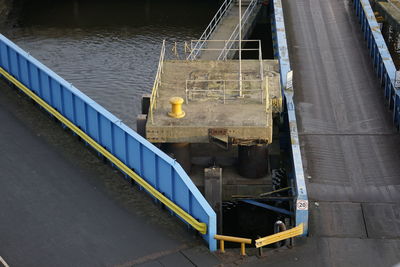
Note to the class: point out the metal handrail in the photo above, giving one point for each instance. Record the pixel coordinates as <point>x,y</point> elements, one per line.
<point>157,82</point>
<point>260,58</point>
<point>210,29</point>
<point>394,5</point>
<point>235,34</point>
<point>189,93</point>
<point>221,80</point>
<point>295,231</point>
<point>222,41</point>
<point>195,223</point>
<point>231,49</point>
<point>241,240</point>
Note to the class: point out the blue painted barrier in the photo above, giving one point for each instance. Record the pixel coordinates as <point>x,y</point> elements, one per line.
<point>161,172</point>
<point>300,204</point>
<point>381,58</point>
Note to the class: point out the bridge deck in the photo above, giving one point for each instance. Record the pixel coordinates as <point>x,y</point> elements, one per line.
<point>350,149</point>
<point>61,206</point>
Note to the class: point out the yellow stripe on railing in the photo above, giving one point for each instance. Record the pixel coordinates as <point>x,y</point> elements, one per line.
<point>296,231</point>
<point>199,226</point>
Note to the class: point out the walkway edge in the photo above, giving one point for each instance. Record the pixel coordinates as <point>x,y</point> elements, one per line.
<point>282,53</point>
<point>382,60</point>
<point>161,176</point>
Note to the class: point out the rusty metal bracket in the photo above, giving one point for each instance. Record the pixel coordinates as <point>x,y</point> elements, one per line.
<point>219,137</point>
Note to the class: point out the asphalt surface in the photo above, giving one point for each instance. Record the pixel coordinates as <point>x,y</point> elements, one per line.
<point>350,148</point>
<point>350,151</point>
<point>57,210</point>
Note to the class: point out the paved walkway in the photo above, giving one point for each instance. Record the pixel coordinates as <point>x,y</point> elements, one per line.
<point>57,211</point>
<point>349,146</point>
<point>60,217</point>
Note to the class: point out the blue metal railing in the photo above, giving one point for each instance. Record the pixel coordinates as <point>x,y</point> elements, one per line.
<point>281,52</point>
<point>382,60</point>
<point>156,172</point>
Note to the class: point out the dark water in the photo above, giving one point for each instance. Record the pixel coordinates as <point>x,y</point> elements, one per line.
<point>262,31</point>
<point>241,219</point>
<point>107,49</point>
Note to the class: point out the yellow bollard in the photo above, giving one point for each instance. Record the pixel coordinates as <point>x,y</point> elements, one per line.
<point>222,246</point>
<point>176,109</point>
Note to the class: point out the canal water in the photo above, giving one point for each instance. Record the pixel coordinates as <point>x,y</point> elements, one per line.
<point>110,51</point>
<point>107,49</point>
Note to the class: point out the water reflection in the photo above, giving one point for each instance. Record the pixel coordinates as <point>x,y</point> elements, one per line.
<point>108,49</point>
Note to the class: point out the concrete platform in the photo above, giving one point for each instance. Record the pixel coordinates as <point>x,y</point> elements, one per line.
<point>242,119</point>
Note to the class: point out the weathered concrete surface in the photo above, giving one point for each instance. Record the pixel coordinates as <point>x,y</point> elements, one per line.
<point>62,206</point>
<point>206,110</point>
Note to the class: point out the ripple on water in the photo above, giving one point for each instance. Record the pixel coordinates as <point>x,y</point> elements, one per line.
<point>113,66</point>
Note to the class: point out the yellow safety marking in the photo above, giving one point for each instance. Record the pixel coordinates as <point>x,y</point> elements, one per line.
<point>296,231</point>
<point>242,241</point>
<point>199,226</point>
<point>233,239</point>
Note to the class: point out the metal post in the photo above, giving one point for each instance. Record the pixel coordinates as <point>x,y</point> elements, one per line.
<point>243,249</point>
<point>222,246</point>
<point>186,92</point>
<point>225,47</point>
<point>240,49</point>
<point>224,90</point>
<point>261,61</point>
<point>262,93</point>
<point>267,92</point>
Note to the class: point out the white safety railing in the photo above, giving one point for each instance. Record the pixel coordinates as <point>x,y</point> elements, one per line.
<point>222,11</point>
<point>260,59</point>
<point>224,90</point>
<point>157,82</point>
<point>394,5</point>
<point>235,34</point>
<point>233,48</point>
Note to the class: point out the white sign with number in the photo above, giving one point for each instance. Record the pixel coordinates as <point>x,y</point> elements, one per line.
<point>397,79</point>
<point>302,204</point>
